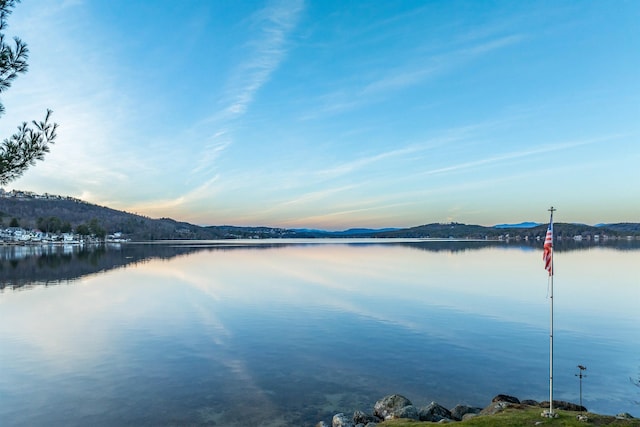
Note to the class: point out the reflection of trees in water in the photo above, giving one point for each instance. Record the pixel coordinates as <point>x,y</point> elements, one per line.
<point>49,265</point>
<point>454,246</point>
<point>53,260</point>
<point>22,266</point>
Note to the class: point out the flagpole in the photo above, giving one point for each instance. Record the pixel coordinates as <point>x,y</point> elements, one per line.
<point>551,342</point>
<point>551,271</point>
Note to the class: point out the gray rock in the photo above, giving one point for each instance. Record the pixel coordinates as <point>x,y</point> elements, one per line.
<point>341,420</point>
<point>385,407</point>
<point>466,417</point>
<point>321,424</point>
<point>565,406</point>
<point>460,411</point>
<point>434,412</point>
<point>409,411</point>
<point>530,402</point>
<point>360,417</point>
<point>505,398</point>
<point>495,407</point>
<point>624,416</point>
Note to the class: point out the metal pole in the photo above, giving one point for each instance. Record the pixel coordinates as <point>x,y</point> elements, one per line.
<point>580,375</point>
<point>551,345</point>
<point>580,388</point>
<point>551,271</point>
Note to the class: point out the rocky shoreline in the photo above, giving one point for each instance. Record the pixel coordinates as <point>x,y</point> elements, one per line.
<point>396,406</point>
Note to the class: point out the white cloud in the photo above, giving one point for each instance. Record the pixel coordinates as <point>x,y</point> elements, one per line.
<point>518,154</point>
<point>267,49</point>
<point>354,165</point>
<point>413,72</point>
<point>164,207</point>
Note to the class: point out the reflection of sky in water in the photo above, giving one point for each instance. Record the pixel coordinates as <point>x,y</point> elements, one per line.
<point>291,329</point>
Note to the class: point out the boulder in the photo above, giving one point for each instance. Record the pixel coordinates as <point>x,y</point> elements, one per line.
<point>460,411</point>
<point>624,416</point>
<point>565,406</point>
<point>409,411</point>
<point>530,402</point>
<point>434,413</point>
<point>466,417</point>
<point>505,398</point>
<point>385,407</point>
<point>341,420</point>
<point>495,407</point>
<point>360,417</point>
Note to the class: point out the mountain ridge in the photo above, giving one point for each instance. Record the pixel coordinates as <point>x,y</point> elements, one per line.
<point>526,224</point>
<point>28,210</point>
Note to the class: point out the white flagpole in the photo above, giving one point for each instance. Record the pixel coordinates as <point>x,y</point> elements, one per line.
<point>551,343</point>
<point>551,414</point>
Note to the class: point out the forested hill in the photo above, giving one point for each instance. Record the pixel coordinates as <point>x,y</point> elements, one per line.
<point>562,231</point>
<point>60,214</point>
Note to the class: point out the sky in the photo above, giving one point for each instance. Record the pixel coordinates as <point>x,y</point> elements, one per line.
<point>336,114</point>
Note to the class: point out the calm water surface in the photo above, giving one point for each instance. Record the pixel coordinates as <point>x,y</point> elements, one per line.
<point>280,334</point>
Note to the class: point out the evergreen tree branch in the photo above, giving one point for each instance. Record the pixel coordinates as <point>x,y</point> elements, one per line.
<point>25,147</point>
<point>32,141</point>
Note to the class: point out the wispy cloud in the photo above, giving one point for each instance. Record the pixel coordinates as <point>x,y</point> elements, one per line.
<point>415,73</point>
<point>274,23</point>
<point>407,75</point>
<point>340,216</point>
<point>446,137</point>
<point>267,49</point>
<point>400,79</point>
<point>216,145</point>
<point>491,45</point>
<point>315,196</point>
<point>356,164</point>
<point>162,207</point>
<point>517,154</point>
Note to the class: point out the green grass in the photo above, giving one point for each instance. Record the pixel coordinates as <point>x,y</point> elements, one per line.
<point>524,416</point>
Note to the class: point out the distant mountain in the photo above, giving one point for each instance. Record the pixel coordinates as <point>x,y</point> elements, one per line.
<point>28,210</point>
<point>562,231</point>
<point>521,225</point>
<point>442,231</point>
<point>351,232</point>
<point>623,227</point>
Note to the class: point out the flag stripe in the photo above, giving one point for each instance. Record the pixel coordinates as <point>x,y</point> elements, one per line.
<point>547,255</point>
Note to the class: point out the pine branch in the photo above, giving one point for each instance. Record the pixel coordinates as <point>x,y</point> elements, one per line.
<point>25,147</point>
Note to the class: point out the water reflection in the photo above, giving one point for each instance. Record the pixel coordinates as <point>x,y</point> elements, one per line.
<point>31,265</point>
<point>34,265</point>
<point>275,333</point>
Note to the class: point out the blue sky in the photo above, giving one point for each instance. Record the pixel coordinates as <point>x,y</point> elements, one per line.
<point>336,114</point>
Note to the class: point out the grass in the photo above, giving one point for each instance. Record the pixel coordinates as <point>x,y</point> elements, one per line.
<point>524,416</point>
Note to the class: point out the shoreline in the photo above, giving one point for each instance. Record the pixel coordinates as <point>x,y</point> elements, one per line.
<point>397,410</point>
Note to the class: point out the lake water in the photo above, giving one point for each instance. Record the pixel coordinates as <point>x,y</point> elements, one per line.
<point>281,333</point>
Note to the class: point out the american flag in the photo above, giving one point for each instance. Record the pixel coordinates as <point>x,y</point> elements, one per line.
<point>548,249</point>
